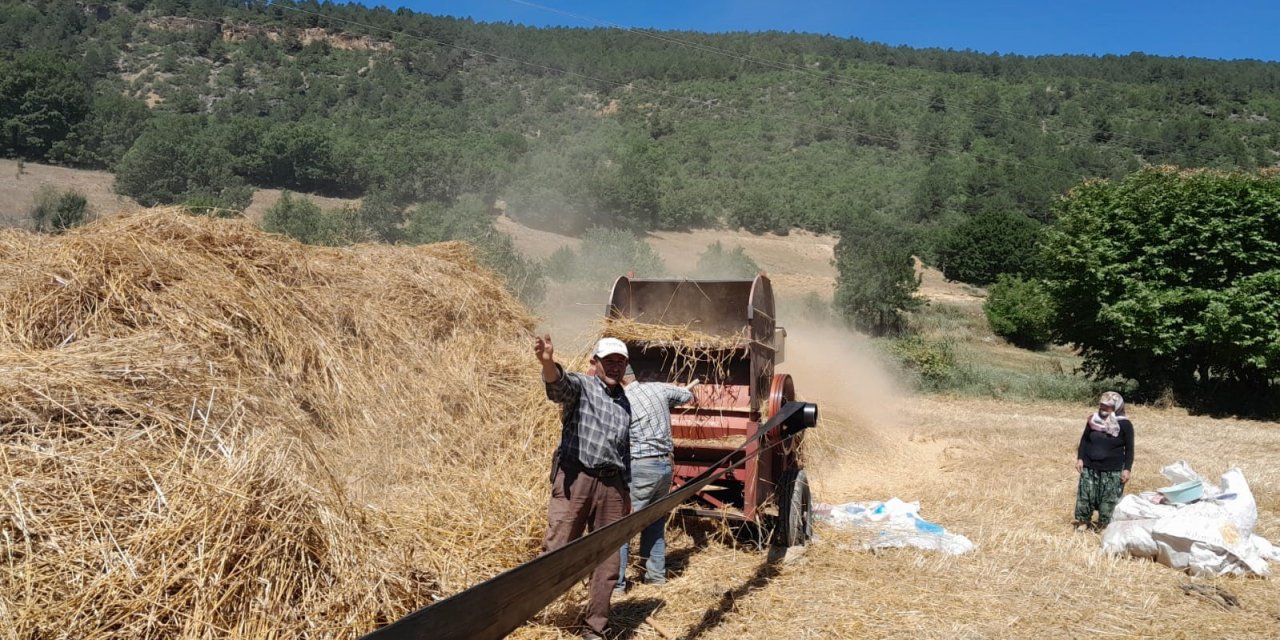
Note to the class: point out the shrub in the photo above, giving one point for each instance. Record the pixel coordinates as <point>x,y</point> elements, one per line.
<point>55,212</point>
<point>304,221</point>
<point>716,262</point>
<point>212,206</point>
<point>933,360</point>
<point>1020,311</point>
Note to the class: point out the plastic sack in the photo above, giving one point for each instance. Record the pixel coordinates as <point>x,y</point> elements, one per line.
<point>1132,537</point>
<point>898,524</point>
<point>1265,549</point>
<point>926,536</point>
<point>1140,507</point>
<point>1210,537</point>
<point>1238,502</point>
<point>1202,540</point>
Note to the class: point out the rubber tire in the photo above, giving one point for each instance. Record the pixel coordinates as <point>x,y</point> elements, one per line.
<point>795,510</point>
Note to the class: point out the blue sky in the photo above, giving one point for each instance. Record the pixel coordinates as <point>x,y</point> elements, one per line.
<point>1226,29</point>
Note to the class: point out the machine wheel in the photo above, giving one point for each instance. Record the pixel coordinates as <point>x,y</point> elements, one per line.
<point>781,391</point>
<point>795,509</point>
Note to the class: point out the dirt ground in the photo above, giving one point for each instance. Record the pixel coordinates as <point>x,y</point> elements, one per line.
<point>18,191</point>
<point>18,188</point>
<point>1000,473</point>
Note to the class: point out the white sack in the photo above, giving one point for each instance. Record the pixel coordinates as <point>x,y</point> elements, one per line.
<point>1203,540</point>
<point>1131,537</point>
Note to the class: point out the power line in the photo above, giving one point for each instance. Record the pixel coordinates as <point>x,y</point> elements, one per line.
<point>786,66</point>
<point>630,86</point>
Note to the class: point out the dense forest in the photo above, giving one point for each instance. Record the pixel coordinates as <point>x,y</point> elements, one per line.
<point>574,128</point>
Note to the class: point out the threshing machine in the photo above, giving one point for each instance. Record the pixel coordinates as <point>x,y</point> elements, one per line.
<point>735,357</point>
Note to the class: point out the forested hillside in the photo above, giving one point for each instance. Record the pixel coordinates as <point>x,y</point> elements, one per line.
<point>203,100</point>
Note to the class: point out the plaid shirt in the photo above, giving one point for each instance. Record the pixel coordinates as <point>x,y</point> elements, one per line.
<point>651,404</point>
<point>594,420</point>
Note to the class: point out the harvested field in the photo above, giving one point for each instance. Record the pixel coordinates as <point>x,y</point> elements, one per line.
<point>999,473</point>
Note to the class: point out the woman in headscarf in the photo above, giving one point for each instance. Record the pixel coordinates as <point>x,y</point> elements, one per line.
<point>1103,460</point>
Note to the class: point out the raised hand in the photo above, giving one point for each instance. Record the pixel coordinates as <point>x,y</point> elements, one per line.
<point>545,351</point>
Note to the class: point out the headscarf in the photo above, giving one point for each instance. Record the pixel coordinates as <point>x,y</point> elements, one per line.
<point>1110,424</point>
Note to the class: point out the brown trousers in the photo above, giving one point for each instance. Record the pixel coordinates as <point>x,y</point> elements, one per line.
<point>580,502</point>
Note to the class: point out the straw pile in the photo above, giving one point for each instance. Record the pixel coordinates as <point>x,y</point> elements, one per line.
<point>208,431</point>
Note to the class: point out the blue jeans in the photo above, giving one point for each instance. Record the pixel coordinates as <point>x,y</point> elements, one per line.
<point>650,482</point>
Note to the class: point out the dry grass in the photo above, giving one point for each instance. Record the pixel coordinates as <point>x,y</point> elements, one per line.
<point>206,431</point>
<point>1000,474</point>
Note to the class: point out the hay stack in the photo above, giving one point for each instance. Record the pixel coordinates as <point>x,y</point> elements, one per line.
<point>209,431</point>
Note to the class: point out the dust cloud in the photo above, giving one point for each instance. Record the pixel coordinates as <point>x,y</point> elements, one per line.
<point>863,438</point>
<point>572,313</point>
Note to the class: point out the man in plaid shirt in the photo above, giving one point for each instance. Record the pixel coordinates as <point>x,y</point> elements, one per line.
<point>589,478</point>
<point>652,467</point>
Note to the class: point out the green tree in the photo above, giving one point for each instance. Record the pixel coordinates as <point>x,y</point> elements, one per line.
<point>113,125</point>
<point>1171,278</point>
<point>606,254</point>
<point>384,218</point>
<point>625,191</point>
<point>469,220</point>
<point>877,281</point>
<point>1020,311</point>
<point>981,248</point>
<point>603,255</point>
<point>42,98</point>
<point>300,157</point>
<point>175,158</point>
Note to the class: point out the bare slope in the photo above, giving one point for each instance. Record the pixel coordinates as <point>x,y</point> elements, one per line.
<point>18,191</point>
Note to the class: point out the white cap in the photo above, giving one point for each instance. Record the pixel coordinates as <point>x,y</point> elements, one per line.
<point>609,346</point>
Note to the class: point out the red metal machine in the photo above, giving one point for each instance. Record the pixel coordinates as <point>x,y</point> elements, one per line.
<point>738,393</point>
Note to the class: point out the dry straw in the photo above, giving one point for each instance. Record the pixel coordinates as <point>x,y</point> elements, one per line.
<point>207,431</point>
<point>684,336</point>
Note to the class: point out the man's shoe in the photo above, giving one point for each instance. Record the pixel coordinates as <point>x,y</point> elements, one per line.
<point>590,635</point>
<point>656,583</point>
